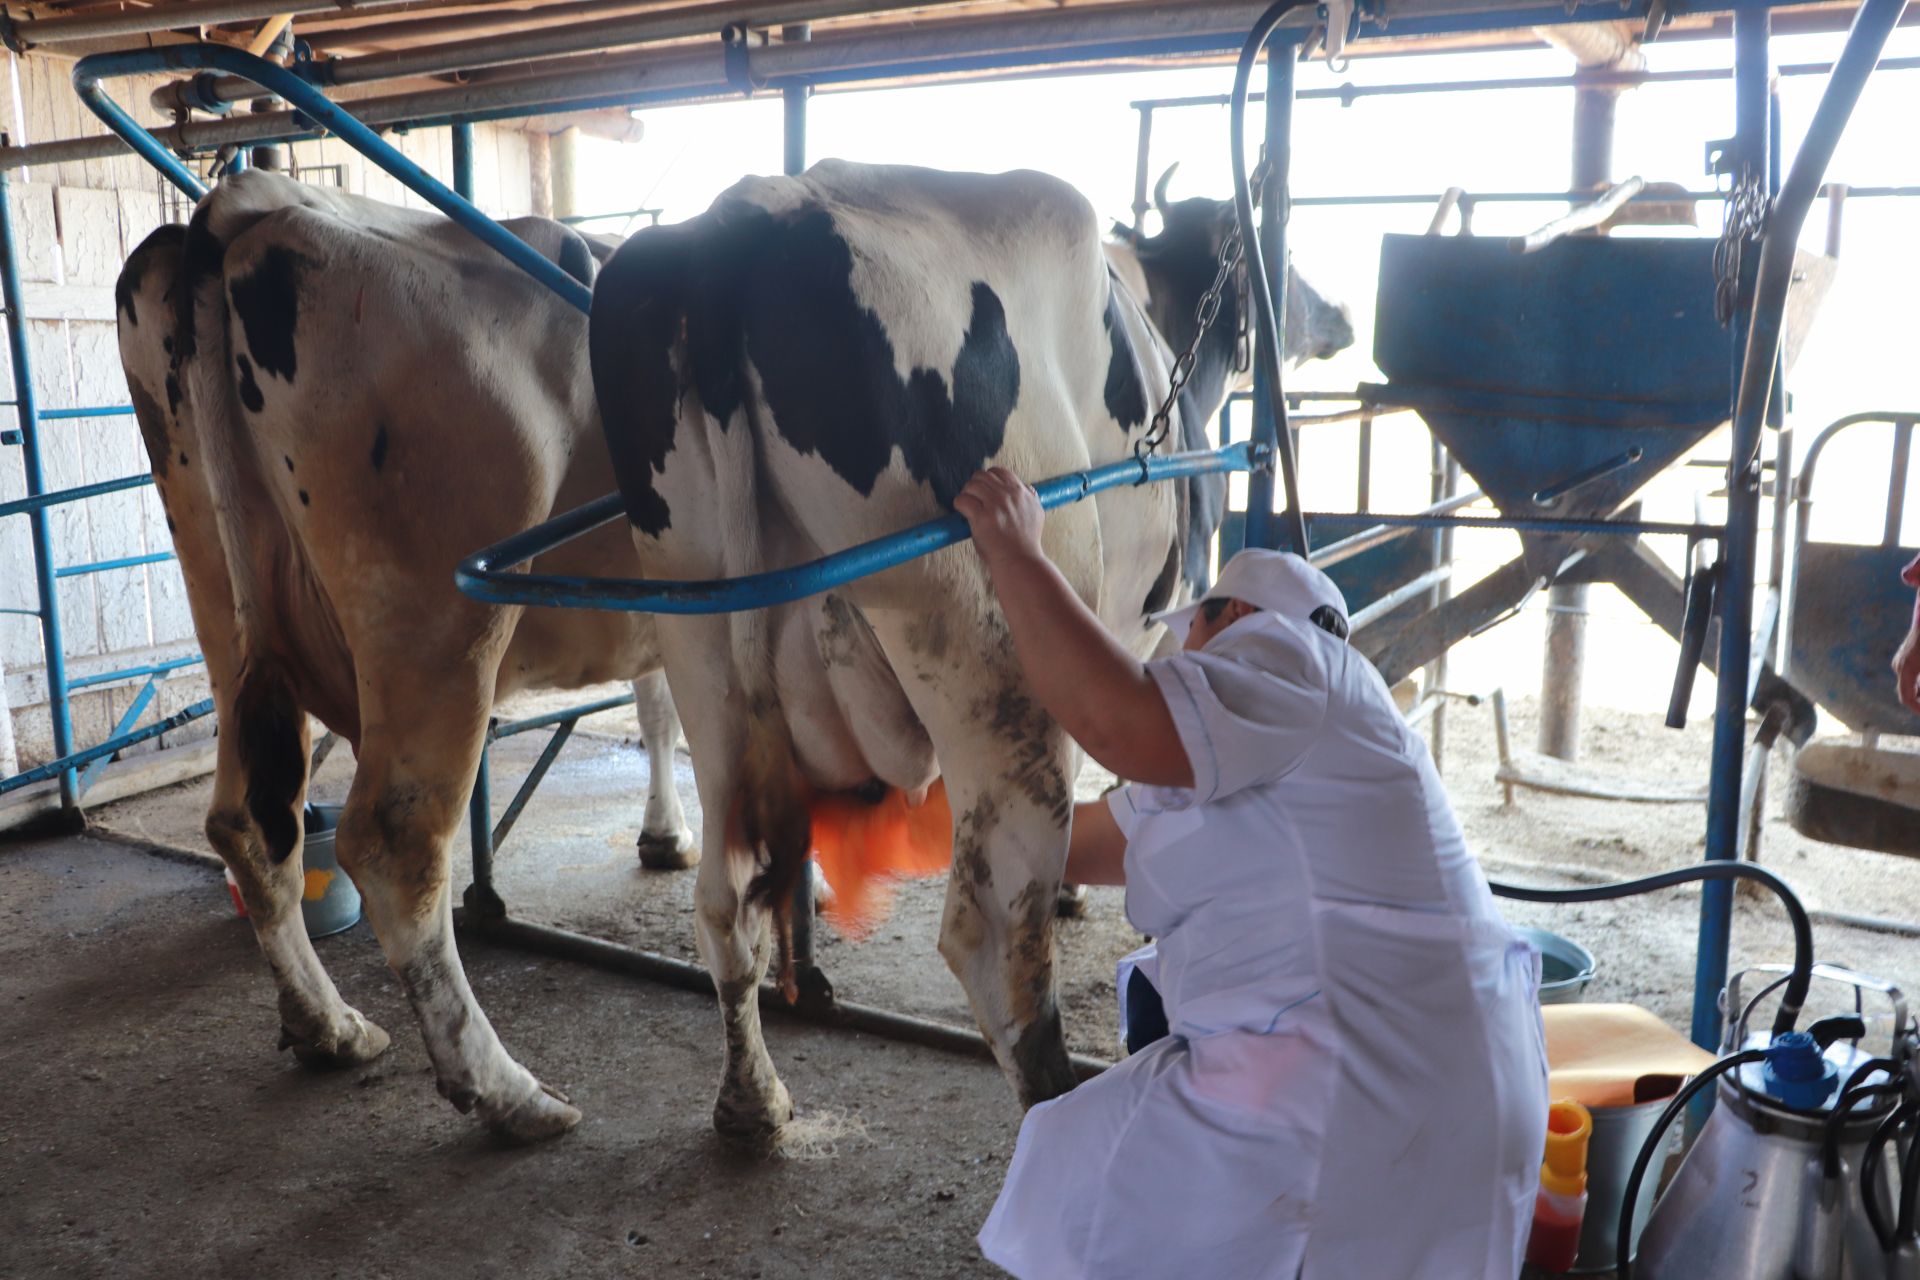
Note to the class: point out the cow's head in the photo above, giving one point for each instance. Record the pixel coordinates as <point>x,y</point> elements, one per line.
<point>1180,263</point>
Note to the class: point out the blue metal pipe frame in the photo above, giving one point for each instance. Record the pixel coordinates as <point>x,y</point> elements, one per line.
<point>1756,366</point>
<point>29,419</point>
<point>1756,361</point>
<point>488,574</point>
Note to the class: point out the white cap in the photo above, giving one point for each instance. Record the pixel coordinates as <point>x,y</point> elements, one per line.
<point>1275,580</point>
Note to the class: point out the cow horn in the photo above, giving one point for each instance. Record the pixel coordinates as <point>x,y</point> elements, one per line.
<point>1160,189</point>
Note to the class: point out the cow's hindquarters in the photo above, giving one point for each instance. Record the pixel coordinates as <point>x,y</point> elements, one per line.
<point>260,779</point>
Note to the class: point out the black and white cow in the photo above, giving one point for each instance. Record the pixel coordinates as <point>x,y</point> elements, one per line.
<point>821,359</point>
<point>340,400</point>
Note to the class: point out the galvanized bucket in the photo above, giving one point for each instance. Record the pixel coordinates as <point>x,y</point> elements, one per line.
<point>1618,1134</point>
<point>1566,967</point>
<point>329,903</point>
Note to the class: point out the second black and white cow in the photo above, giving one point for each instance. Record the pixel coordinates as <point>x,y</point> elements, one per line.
<point>821,359</point>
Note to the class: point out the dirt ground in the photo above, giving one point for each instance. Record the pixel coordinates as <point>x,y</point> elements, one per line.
<point>148,1128</point>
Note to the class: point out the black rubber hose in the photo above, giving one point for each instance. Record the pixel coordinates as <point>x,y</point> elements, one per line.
<point>1869,1166</point>
<point>1623,1239</point>
<point>1798,982</point>
<point>1909,1188</point>
<point>1267,336</point>
<point>1851,1092</point>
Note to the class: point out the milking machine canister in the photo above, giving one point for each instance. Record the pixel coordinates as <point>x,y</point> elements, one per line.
<point>1809,1165</point>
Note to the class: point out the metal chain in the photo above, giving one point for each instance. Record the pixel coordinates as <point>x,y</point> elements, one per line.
<point>1744,221</point>
<point>1232,266</point>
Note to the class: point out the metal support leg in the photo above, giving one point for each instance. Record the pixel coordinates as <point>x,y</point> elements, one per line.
<point>1142,158</point>
<point>463,160</point>
<point>480,899</point>
<point>1564,670</point>
<point>27,412</point>
<point>1263,528</point>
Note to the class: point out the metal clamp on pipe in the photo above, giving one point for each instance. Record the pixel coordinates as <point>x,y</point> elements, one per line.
<point>196,93</point>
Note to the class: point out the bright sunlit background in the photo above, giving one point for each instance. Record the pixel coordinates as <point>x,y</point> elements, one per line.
<point>1864,351</point>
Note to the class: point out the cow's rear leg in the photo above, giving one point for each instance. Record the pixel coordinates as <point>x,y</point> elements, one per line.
<point>255,825</point>
<point>395,840</point>
<point>1009,774</point>
<point>666,843</point>
<point>735,942</point>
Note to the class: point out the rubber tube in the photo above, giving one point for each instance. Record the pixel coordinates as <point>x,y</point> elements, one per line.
<point>1267,339</point>
<point>1623,1239</point>
<point>1799,981</point>
<point>1869,1165</point>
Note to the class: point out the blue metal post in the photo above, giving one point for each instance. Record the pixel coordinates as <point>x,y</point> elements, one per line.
<point>463,160</point>
<point>1751,151</point>
<point>1263,529</point>
<point>43,574</point>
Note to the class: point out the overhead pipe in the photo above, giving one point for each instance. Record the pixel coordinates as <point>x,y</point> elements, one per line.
<point>23,32</point>
<point>1050,38</point>
<point>681,74</point>
<point>500,51</point>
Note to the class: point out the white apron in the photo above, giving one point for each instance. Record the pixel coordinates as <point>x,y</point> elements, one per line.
<point>1355,1083</point>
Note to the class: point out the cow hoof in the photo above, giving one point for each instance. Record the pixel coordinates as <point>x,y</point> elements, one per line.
<point>1072,903</point>
<point>545,1115</point>
<point>668,853</point>
<point>359,1044</point>
<point>753,1123</point>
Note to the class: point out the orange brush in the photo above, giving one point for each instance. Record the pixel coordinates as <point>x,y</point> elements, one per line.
<point>861,847</point>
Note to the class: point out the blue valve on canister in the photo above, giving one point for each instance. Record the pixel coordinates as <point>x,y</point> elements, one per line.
<point>1798,1073</point>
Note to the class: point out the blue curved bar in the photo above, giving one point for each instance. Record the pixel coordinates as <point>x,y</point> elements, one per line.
<point>311,102</point>
<point>489,575</point>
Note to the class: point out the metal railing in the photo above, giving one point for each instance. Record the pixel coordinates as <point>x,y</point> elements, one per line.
<point>75,769</point>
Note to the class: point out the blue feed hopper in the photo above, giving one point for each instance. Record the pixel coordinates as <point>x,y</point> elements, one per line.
<point>1538,369</point>
<point>1562,381</point>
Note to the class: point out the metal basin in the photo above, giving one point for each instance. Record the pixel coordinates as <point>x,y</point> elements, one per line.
<point>329,903</point>
<point>1566,967</point>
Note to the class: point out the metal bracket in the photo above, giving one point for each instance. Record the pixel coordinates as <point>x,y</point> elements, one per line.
<point>736,42</point>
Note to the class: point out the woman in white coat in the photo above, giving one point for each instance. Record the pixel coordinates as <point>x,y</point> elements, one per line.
<point>1354,1083</point>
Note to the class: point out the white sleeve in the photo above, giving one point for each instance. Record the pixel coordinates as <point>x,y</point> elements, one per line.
<point>1248,708</point>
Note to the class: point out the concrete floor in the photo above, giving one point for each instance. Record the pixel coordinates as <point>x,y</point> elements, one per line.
<point>148,1127</point>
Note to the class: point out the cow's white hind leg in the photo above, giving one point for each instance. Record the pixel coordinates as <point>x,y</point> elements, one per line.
<point>734,941</point>
<point>666,843</point>
<point>255,825</point>
<point>1009,771</point>
<point>395,839</point>
<point>730,930</point>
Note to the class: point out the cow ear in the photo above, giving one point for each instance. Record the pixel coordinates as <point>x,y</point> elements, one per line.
<point>1124,233</point>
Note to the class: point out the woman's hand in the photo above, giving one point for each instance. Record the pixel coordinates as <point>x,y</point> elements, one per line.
<point>1005,515</point>
<point>1906,666</point>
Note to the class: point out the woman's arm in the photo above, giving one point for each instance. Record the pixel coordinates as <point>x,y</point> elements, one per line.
<point>1100,693</point>
<point>1097,853</point>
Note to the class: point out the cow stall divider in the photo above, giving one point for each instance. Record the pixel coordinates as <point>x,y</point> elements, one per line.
<point>1758,331</point>
<point>75,770</point>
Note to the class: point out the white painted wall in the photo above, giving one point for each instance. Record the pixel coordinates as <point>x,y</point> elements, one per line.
<point>75,224</point>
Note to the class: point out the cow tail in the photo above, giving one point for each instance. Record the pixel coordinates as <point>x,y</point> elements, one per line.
<point>201,374</point>
<point>775,799</point>
<point>665,328</point>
